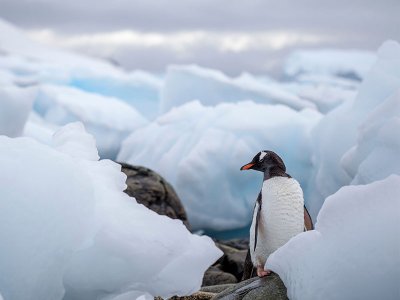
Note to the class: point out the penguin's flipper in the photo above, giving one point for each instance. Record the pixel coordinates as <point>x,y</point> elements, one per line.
<point>308,223</point>
<point>257,220</point>
<point>248,268</point>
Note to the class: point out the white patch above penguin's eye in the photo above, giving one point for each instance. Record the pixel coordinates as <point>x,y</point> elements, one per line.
<point>262,155</point>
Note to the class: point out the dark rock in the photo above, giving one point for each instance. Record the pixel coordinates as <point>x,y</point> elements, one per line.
<point>232,261</point>
<point>265,288</point>
<point>214,276</point>
<point>240,244</point>
<point>154,192</point>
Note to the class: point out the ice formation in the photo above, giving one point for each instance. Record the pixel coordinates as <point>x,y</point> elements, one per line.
<point>325,91</point>
<point>187,83</point>
<point>343,63</point>
<point>107,119</point>
<point>200,149</point>
<point>15,105</point>
<point>39,129</point>
<point>358,142</point>
<point>26,63</point>
<point>139,89</point>
<point>353,253</point>
<point>69,232</point>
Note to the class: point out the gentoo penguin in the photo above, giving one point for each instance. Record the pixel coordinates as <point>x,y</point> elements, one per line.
<point>279,212</point>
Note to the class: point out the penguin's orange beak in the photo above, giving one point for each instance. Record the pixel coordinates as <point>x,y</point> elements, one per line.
<point>246,167</point>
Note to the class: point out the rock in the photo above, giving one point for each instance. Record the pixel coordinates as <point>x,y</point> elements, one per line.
<point>196,296</point>
<point>265,288</point>
<point>214,276</point>
<point>228,269</point>
<point>240,244</point>
<point>233,260</point>
<point>216,288</point>
<point>154,192</point>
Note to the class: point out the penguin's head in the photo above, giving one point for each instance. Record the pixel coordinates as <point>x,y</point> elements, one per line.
<point>265,160</point>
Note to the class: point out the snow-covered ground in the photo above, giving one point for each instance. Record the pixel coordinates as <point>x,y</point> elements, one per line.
<point>69,232</point>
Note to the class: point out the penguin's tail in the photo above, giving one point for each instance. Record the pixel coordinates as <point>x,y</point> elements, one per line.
<point>308,223</point>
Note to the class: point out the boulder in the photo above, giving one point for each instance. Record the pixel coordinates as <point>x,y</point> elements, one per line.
<point>215,276</point>
<point>233,260</point>
<point>228,269</point>
<point>265,288</point>
<point>240,244</point>
<point>154,192</point>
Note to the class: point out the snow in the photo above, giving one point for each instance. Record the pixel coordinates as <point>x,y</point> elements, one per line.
<point>187,83</point>
<point>358,142</point>
<point>353,64</point>
<point>199,150</point>
<point>353,253</point>
<point>69,232</point>
<point>15,105</point>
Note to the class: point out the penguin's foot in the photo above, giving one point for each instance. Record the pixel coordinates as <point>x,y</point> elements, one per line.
<point>261,272</point>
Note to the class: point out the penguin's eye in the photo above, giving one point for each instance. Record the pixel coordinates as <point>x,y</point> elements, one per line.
<point>262,155</point>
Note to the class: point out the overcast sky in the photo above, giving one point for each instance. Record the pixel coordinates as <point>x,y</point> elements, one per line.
<point>234,36</point>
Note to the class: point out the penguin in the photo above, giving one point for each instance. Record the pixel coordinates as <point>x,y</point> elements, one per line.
<point>279,212</point>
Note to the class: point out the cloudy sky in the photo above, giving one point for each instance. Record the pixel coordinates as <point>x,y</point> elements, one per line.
<point>231,35</point>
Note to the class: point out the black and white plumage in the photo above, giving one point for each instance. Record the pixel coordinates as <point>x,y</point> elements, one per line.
<point>279,212</point>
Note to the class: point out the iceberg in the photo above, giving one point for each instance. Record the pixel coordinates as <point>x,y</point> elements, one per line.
<point>107,119</point>
<point>353,253</point>
<point>199,150</point>
<point>25,62</point>
<point>78,236</point>
<point>187,83</point>
<point>352,64</point>
<point>357,142</point>
<point>15,106</point>
<point>139,89</point>
<point>325,91</point>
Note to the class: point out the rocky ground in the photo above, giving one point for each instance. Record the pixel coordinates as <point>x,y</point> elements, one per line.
<point>223,279</point>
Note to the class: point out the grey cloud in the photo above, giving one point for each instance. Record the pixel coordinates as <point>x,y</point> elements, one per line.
<point>347,23</point>
<point>172,15</point>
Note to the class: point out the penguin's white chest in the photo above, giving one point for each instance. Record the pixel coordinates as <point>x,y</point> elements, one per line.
<point>281,217</point>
